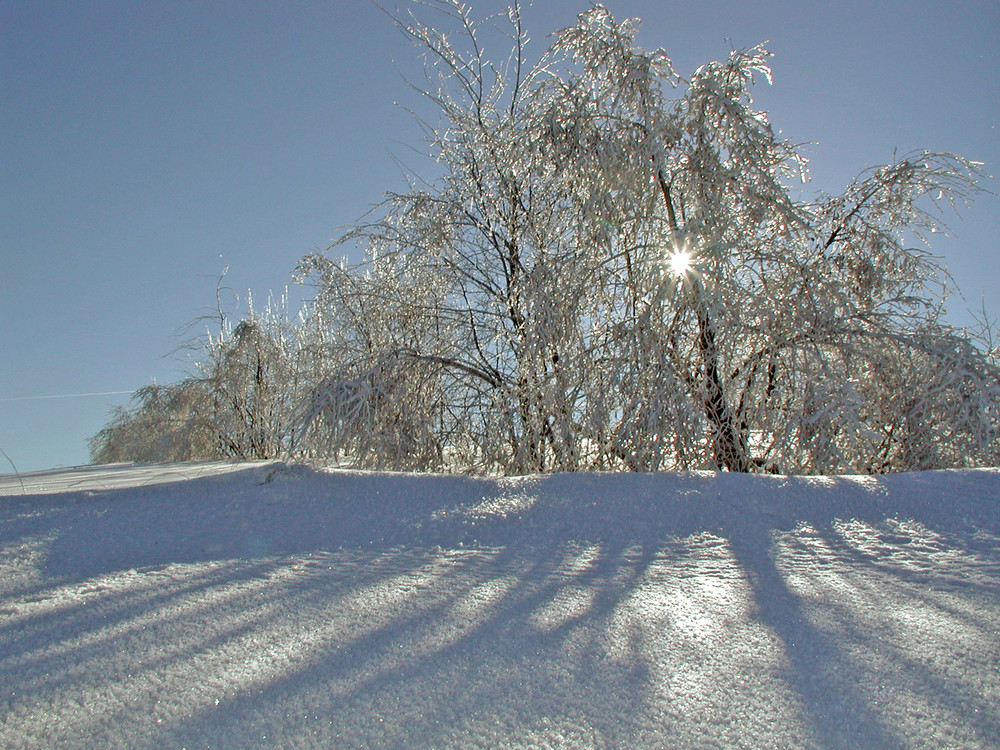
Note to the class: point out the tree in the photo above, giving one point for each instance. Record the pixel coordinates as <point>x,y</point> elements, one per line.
<point>241,403</point>
<point>162,423</point>
<point>612,272</point>
<point>487,290</point>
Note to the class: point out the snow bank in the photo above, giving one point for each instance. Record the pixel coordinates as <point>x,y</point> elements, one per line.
<point>221,606</point>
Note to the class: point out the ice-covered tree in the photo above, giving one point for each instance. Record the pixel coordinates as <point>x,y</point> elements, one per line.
<point>612,271</point>
<point>480,273</point>
<point>161,423</point>
<point>240,403</point>
<point>611,267</point>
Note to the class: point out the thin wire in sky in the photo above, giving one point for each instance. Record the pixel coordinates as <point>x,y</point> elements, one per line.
<point>65,395</point>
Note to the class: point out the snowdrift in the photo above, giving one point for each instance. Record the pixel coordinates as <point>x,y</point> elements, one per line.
<point>222,606</point>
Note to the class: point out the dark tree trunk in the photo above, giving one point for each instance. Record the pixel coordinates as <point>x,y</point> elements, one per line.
<point>728,449</point>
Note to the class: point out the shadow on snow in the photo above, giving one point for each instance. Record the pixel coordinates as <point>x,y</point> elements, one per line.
<point>602,610</point>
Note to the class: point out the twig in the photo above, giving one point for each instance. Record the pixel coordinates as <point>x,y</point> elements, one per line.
<point>16,472</point>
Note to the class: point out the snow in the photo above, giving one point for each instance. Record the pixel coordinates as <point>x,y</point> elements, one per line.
<point>270,605</point>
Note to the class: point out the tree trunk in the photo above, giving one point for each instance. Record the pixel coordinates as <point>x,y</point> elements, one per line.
<point>728,449</point>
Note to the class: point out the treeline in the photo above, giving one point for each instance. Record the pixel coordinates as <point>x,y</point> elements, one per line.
<point>613,271</point>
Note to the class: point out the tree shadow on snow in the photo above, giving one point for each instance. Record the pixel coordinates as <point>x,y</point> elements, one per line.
<point>529,604</point>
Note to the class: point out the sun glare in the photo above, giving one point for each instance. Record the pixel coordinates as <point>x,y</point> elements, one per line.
<point>680,262</point>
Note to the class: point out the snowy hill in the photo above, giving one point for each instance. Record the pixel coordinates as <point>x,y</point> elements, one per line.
<point>219,606</point>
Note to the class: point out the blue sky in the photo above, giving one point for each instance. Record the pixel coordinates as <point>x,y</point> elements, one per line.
<point>146,146</point>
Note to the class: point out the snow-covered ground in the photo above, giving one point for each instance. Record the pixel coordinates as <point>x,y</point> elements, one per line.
<point>219,606</point>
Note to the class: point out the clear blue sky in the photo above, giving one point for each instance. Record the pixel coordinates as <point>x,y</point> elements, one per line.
<point>145,146</point>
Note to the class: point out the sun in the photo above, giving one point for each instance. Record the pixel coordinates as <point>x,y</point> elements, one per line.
<point>680,262</point>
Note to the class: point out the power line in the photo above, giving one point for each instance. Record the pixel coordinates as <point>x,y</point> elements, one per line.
<point>65,395</point>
